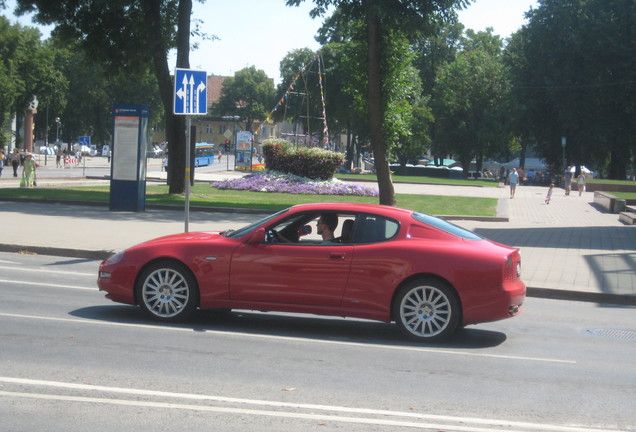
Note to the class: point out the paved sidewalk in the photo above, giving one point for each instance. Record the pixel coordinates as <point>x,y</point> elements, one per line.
<point>570,248</point>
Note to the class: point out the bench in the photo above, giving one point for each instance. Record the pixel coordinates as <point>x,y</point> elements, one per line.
<point>628,216</point>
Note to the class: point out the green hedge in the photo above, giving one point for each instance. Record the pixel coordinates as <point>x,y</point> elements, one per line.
<point>313,163</point>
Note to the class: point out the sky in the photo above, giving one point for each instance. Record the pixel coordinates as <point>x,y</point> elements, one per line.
<point>261,33</point>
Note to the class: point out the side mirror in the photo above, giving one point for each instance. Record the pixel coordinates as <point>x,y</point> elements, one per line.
<point>305,230</point>
<point>258,236</point>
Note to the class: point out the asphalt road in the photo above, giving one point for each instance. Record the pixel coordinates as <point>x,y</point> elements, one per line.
<point>71,360</point>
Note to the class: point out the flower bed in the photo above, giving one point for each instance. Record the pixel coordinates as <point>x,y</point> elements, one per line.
<point>285,183</point>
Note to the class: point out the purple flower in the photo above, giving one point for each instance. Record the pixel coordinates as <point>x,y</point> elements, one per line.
<point>285,183</point>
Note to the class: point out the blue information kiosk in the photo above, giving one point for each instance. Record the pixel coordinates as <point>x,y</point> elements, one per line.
<point>128,163</point>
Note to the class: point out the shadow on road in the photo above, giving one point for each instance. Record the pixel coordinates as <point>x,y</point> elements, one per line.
<point>245,323</point>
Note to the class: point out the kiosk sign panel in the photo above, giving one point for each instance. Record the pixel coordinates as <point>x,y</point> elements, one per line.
<point>128,167</point>
<point>244,149</point>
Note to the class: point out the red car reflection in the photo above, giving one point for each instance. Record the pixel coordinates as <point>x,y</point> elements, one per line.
<point>383,263</point>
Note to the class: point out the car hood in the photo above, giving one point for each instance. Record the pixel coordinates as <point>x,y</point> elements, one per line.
<point>184,238</point>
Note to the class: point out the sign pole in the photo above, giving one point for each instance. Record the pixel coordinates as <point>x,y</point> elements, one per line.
<point>190,98</point>
<point>187,174</point>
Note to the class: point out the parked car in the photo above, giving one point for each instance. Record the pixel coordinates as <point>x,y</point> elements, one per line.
<point>386,263</point>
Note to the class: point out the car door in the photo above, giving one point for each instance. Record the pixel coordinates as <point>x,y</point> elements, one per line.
<point>307,274</point>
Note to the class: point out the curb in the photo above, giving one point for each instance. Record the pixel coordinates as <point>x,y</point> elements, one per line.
<point>582,296</point>
<point>52,251</point>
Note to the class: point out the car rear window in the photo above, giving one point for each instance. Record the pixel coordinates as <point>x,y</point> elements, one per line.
<point>445,226</point>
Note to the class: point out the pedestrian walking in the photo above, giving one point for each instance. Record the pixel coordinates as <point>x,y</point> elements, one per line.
<point>568,180</point>
<point>581,183</point>
<point>513,178</point>
<point>3,157</point>
<point>548,197</point>
<point>15,161</point>
<point>28,172</point>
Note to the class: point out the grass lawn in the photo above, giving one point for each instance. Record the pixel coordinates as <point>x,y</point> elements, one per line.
<point>203,195</point>
<point>419,179</point>
<point>624,195</point>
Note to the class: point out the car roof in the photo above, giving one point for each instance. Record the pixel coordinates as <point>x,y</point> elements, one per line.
<point>354,207</point>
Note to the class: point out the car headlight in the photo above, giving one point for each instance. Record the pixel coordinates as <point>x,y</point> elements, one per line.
<point>519,269</point>
<point>114,259</point>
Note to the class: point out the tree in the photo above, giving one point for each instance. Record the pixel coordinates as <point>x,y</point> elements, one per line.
<point>248,94</point>
<point>575,69</point>
<point>383,19</point>
<point>130,35</point>
<point>94,90</point>
<point>469,95</point>
<point>28,68</point>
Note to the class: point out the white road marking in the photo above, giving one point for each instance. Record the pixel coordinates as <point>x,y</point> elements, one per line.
<point>462,422</point>
<point>41,270</point>
<point>50,285</point>
<point>291,338</point>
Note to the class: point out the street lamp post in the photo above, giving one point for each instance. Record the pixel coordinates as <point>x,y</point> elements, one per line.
<point>57,134</point>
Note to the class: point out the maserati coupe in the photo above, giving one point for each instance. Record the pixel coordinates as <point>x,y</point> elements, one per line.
<point>368,261</point>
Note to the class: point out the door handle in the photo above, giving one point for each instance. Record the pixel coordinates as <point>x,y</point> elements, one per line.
<point>337,256</point>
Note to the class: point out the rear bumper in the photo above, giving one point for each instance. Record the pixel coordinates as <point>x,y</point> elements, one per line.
<point>497,305</point>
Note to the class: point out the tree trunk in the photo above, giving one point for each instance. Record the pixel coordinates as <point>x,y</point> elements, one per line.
<point>376,112</point>
<point>175,125</point>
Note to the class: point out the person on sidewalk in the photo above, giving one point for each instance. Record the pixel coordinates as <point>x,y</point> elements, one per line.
<point>2,158</point>
<point>513,179</point>
<point>568,181</point>
<point>580,183</point>
<point>15,161</point>
<point>548,197</point>
<point>28,171</point>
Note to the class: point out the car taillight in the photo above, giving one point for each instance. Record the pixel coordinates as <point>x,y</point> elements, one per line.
<point>512,268</point>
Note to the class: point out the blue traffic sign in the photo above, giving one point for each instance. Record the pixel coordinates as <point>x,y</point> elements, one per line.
<point>85,141</point>
<point>190,92</point>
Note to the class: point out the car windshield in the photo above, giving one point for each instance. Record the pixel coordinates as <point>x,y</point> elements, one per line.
<point>445,226</point>
<point>242,231</point>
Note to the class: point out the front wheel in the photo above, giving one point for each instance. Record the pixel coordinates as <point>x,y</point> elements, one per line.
<point>427,310</point>
<point>167,291</point>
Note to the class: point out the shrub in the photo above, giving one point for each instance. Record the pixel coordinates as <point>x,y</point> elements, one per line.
<point>313,163</point>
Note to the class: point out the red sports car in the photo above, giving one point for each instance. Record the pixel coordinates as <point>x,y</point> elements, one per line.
<point>367,261</point>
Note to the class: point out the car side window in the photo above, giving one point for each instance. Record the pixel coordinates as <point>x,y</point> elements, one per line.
<point>374,229</point>
<point>313,229</point>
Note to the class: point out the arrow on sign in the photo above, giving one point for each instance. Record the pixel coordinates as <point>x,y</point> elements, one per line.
<point>190,92</point>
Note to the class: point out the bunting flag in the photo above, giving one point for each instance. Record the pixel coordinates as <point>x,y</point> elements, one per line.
<point>283,99</point>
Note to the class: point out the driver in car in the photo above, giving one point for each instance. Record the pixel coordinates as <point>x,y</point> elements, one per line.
<point>326,226</point>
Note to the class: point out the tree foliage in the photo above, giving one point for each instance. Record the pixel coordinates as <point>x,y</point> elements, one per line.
<point>383,19</point>
<point>248,94</point>
<point>28,67</point>
<point>574,66</point>
<point>469,98</point>
<point>132,36</point>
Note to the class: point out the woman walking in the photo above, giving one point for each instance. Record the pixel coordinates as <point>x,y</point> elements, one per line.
<point>28,171</point>
<point>15,161</point>
<point>581,183</point>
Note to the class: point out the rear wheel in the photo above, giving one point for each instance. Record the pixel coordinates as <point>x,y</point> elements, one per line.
<point>427,310</point>
<point>167,291</point>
